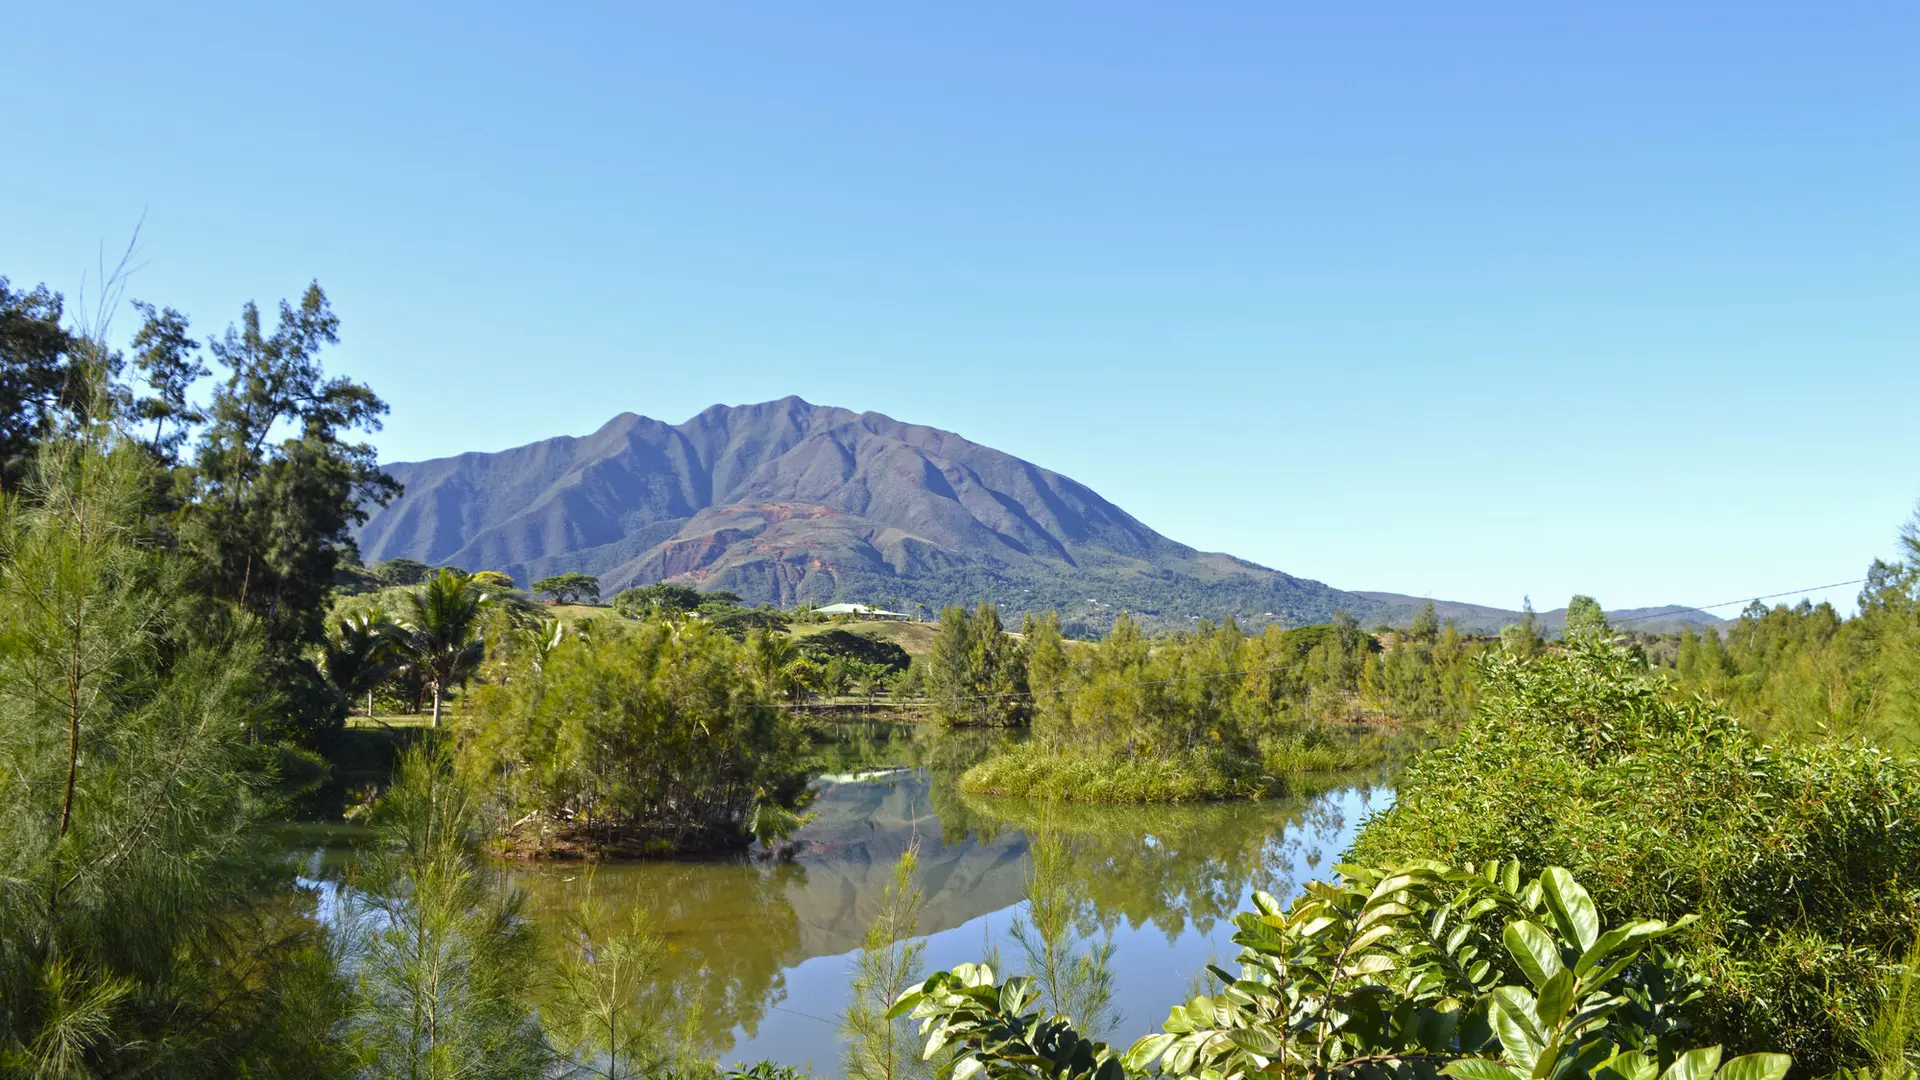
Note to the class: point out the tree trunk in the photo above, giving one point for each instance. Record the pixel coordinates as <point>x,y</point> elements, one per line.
<point>436,703</point>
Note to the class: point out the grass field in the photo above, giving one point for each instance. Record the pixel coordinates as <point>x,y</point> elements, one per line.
<point>915,637</point>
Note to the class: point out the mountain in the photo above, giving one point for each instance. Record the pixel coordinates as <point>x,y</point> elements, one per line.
<point>1479,618</point>
<point>787,502</point>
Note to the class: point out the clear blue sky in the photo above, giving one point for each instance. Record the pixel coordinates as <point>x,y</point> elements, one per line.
<point>1468,300</point>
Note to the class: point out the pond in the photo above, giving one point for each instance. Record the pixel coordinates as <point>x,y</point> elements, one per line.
<point>761,952</point>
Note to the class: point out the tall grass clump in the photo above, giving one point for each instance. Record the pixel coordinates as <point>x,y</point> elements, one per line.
<point>1314,750</point>
<point>1799,860</point>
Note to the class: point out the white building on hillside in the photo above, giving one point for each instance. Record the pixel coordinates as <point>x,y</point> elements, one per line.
<point>861,610</point>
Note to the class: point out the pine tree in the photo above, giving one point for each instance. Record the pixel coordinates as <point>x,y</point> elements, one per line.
<point>1050,678</point>
<point>879,1048</point>
<point>139,917</point>
<point>1072,971</point>
<point>442,951</point>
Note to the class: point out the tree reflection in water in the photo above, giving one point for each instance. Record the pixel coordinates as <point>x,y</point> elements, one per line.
<point>749,942</point>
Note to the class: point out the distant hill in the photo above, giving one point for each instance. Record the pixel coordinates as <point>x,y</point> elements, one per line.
<point>789,502</point>
<point>1481,619</point>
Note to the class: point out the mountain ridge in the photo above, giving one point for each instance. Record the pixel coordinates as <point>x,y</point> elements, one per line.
<point>785,501</point>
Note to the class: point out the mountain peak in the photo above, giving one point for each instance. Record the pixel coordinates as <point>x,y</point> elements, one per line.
<point>785,500</point>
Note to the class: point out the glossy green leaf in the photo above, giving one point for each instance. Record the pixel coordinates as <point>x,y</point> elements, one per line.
<point>1479,1069</point>
<point>1572,908</point>
<point>1756,1067</point>
<point>1614,940</point>
<point>1515,1022</point>
<point>1141,1055</point>
<point>1385,911</point>
<point>1694,1065</point>
<point>1534,950</point>
<point>1371,964</point>
<point>1371,937</point>
<point>1257,1040</point>
<point>1628,1065</point>
<point>1556,999</point>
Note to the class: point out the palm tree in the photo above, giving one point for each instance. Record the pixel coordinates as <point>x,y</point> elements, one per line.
<point>360,654</point>
<point>777,660</point>
<point>440,630</point>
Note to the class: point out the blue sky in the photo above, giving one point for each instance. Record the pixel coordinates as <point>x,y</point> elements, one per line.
<point>1474,300</point>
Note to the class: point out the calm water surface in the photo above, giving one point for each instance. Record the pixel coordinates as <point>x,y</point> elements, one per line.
<point>760,952</point>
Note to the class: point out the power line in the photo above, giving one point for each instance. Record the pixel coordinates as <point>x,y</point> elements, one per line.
<point>810,1016</point>
<point>1744,600</point>
<point>1143,682</point>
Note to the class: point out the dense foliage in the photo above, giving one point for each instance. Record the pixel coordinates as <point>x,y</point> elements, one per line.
<point>1206,714</point>
<point>143,929</point>
<point>976,673</point>
<point>1408,972</point>
<point>647,737</point>
<point>1802,671</point>
<point>444,965</point>
<point>1798,859</point>
<point>258,485</point>
<point>36,381</point>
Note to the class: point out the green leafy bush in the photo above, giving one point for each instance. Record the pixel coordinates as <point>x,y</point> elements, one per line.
<point>640,738</point>
<point>1415,971</point>
<point>856,647</point>
<point>1799,860</point>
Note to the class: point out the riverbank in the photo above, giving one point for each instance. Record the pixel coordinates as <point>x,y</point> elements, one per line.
<point>1033,771</point>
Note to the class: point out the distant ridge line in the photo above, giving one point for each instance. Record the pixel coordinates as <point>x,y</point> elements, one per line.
<point>787,502</point>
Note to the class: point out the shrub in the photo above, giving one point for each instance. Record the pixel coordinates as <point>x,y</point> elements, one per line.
<point>854,647</point>
<point>1798,860</point>
<point>1406,972</point>
<point>642,739</point>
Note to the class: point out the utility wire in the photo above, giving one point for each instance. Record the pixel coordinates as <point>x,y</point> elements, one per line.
<point>810,1016</point>
<point>1745,600</point>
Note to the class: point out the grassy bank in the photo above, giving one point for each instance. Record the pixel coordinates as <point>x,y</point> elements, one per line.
<point>1031,770</point>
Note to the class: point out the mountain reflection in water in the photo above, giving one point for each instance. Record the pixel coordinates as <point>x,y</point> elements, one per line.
<point>758,961</point>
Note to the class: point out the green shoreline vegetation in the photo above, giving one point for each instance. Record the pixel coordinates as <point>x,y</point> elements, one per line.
<point>1619,851</point>
<point>1213,713</point>
<point>1776,880</point>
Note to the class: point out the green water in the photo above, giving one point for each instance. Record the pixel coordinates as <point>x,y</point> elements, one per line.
<point>759,951</point>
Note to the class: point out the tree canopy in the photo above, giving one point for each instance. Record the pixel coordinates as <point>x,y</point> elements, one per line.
<point>570,588</point>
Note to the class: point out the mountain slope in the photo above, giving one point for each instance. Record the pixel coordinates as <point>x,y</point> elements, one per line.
<point>786,501</point>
